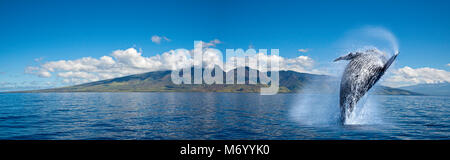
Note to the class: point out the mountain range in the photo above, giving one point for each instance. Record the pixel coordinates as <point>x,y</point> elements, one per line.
<point>436,89</point>
<point>160,81</point>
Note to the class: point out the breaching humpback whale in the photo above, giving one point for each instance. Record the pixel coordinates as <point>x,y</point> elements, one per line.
<point>361,73</point>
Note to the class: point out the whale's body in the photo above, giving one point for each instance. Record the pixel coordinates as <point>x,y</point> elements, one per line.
<point>361,74</point>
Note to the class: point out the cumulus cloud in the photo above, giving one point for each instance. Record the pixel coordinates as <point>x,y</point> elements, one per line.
<point>409,76</point>
<point>299,64</point>
<point>157,39</point>
<point>131,61</point>
<point>119,63</point>
<point>448,65</point>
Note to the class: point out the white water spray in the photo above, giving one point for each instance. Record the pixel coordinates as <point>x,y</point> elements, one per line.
<point>366,112</point>
<point>369,37</point>
<point>324,109</point>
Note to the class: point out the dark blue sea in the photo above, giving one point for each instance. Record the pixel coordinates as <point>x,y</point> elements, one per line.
<point>198,116</point>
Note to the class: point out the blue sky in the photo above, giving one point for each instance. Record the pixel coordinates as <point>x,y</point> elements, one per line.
<point>35,32</point>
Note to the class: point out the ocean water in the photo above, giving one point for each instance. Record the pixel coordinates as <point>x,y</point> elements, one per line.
<point>201,116</point>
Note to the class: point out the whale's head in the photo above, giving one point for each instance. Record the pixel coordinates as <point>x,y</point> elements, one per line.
<point>370,52</point>
<point>349,56</point>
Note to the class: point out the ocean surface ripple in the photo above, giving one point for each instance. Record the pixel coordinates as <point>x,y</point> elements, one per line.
<point>209,116</point>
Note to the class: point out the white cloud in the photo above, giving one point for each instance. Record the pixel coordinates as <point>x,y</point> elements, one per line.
<point>299,64</point>
<point>119,63</point>
<point>82,75</point>
<point>38,59</point>
<point>131,61</point>
<point>38,71</point>
<point>157,39</point>
<point>448,65</point>
<point>211,43</point>
<point>303,50</point>
<point>409,76</point>
<point>131,57</point>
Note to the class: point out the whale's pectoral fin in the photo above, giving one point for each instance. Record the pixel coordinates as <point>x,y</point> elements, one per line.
<point>385,67</point>
<point>349,56</point>
<point>389,62</point>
